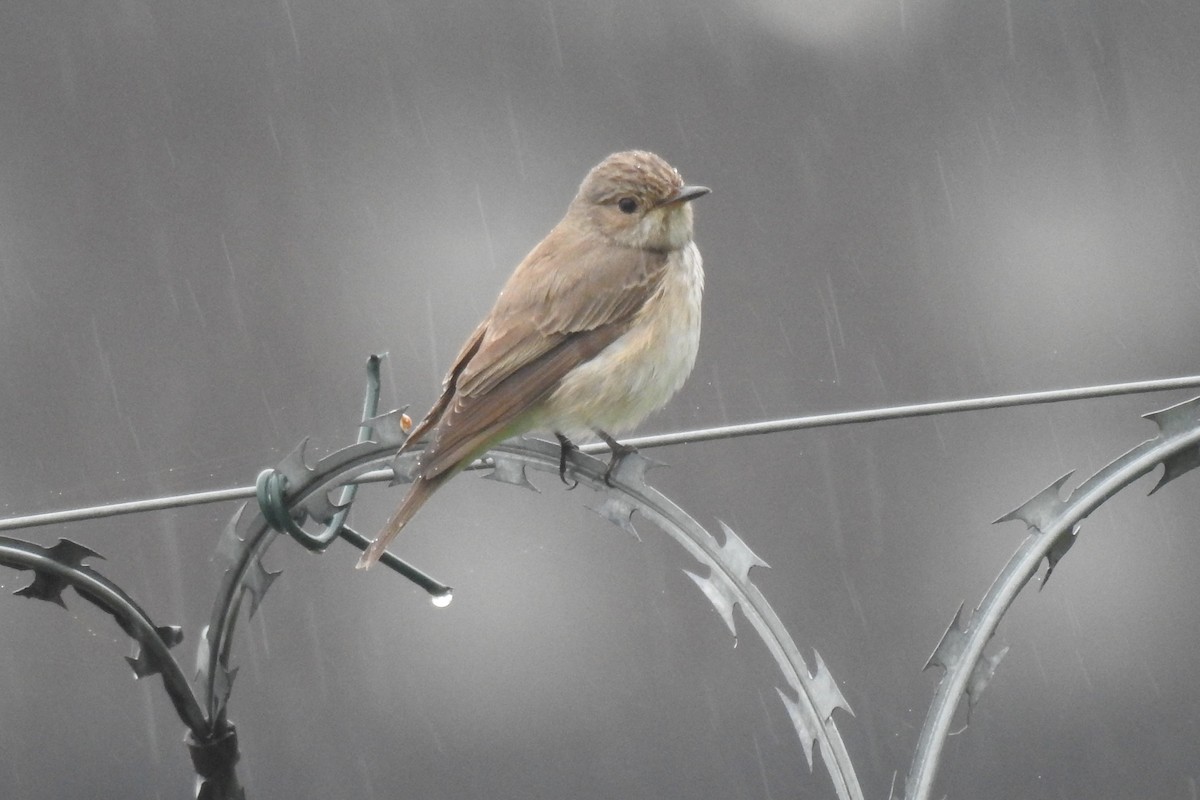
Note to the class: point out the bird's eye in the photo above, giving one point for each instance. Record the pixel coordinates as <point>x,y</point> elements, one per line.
<point>628,205</point>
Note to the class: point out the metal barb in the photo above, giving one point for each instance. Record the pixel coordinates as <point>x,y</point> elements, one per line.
<point>801,722</point>
<point>287,495</point>
<point>950,647</point>
<point>510,471</point>
<point>619,511</point>
<point>1177,465</point>
<point>294,491</point>
<point>1056,522</point>
<point>146,662</point>
<point>727,583</point>
<point>60,566</point>
<point>721,597</point>
<point>48,585</point>
<point>738,555</point>
<point>1058,549</point>
<point>827,694</point>
<point>1044,506</point>
<point>1176,418</point>
<point>375,431</point>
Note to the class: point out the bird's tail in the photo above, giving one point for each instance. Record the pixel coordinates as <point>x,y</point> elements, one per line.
<point>420,491</point>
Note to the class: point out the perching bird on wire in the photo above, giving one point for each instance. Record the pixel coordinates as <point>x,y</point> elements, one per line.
<point>597,327</point>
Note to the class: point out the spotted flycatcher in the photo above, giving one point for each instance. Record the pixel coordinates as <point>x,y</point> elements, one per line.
<point>597,327</point>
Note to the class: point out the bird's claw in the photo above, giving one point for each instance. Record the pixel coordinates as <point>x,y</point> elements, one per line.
<point>619,453</point>
<point>566,448</point>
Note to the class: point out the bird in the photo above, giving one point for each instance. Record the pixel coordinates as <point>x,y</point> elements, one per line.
<point>597,327</point>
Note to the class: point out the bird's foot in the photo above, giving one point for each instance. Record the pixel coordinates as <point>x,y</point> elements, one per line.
<point>566,448</point>
<point>619,452</point>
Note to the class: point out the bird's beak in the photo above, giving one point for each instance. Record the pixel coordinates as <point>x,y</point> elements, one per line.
<point>685,193</point>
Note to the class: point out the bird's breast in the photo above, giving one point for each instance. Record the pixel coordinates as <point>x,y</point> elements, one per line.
<point>639,372</point>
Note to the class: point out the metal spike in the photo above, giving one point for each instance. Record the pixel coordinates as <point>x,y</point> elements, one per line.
<point>950,648</point>
<point>1106,473</point>
<point>737,555</point>
<point>45,587</point>
<point>1043,507</point>
<point>632,468</point>
<point>806,729</point>
<point>293,466</point>
<point>825,692</point>
<point>404,468</point>
<point>1176,418</point>
<point>720,596</point>
<point>171,635</point>
<point>983,673</point>
<point>247,523</point>
<point>386,428</point>
<point>619,511</point>
<point>258,580</point>
<point>71,554</point>
<point>509,470</point>
<point>1058,549</point>
<point>229,545</point>
<point>145,662</point>
<point>1177,465</point>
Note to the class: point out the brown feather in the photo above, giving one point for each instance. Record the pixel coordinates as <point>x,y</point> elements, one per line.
<point>421,490</point>
<point>576,293</point>
<point>572,282</point>
<point>449,386</point>
<point>561,307</point>
<point>472,423</point>
<point>569,299</point>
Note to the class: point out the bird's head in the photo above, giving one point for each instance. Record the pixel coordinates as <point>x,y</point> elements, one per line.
<point>638,200</point>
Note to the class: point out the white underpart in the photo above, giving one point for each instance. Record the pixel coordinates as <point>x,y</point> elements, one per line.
<point>642,370</point>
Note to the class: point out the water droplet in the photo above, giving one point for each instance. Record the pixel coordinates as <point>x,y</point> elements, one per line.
<point>442,600</point>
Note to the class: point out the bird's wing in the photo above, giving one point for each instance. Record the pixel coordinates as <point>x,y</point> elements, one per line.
<point>560,289</point>
<point>449,386</point>
<point>560,308</point>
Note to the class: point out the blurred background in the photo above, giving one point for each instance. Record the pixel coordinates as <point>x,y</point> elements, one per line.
<point>211,213</point>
